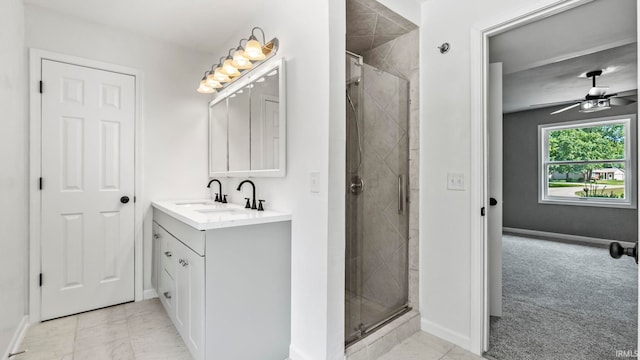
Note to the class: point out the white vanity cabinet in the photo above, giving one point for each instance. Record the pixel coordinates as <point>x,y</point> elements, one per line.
<point>181,286</point>
<point>227,285</point>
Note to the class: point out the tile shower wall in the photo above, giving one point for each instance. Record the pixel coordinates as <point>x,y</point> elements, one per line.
<point>400,57</point>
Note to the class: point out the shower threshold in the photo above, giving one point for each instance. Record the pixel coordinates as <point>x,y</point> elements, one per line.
<point>373,328</point>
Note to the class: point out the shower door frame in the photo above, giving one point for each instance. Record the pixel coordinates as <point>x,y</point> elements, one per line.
<point>352,336</point>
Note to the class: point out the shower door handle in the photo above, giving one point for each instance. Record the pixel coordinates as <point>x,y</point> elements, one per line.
<point>400,195</point>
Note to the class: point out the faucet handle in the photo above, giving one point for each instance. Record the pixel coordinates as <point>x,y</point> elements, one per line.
<point>248,204</point>
<point>224,199</point>
<point>217,198</point>
<point>260,208</point>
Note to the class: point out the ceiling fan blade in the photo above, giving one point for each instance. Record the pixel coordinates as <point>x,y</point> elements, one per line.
<point>554,104</point>
<point>565,108</point>
<point>620,101</point>
<point>598,90</point>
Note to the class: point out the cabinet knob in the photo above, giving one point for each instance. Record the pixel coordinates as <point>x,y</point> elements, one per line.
<point>167,295</point>
<point>168,254</point>
<point>156,236</point>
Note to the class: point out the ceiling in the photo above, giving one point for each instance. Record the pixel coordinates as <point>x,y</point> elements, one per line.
<point>542,60</point>
<point>196,24</point>
<point>371,24</point>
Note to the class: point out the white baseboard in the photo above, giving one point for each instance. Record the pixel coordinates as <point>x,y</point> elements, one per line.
<point>564,237</point>
<point>17,337</point>
<point>446,334</point>
<point>294,354</point>
<point>149,294</point>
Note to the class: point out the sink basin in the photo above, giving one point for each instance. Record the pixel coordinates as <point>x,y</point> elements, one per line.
<point>216,210</point>
<point>204,214</point>
<point>193,203</point>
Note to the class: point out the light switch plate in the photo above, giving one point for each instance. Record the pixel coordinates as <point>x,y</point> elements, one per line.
<point>455,181</point>
<point>314,181</point>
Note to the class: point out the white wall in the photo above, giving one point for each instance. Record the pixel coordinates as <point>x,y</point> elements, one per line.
<point>446,216</point>
<point>13,172</point>
<point>174,114</point>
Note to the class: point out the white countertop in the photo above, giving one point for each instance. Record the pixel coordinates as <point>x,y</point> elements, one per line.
<point>206,214</point>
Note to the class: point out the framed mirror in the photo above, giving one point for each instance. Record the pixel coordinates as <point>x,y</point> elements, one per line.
<point>218,150</point>
<point>239,142</point>
<point>247,125</point>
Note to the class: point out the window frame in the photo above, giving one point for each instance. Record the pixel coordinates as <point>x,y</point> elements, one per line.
<point>629,122</point>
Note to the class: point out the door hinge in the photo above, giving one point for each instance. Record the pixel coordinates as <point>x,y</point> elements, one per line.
<point>482,211</point>
<point>41,86</point>
<point>40,183</point>
<point>40,279</point>
<point>134,199</point>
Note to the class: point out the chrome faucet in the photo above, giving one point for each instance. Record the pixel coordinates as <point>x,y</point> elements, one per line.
<point>219,197</point>
<point>250,204</point>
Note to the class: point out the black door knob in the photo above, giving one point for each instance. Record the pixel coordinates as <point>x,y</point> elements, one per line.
<point>493,201</point>
<point>616,251</point>
<point>124,199</point>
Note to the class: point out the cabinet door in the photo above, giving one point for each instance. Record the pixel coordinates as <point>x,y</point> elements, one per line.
<point>189,301</point>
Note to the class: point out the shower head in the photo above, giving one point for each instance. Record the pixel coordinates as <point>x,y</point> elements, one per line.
<point>354,81</point>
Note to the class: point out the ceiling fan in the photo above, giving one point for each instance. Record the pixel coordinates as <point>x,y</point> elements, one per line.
<point>597,99</point>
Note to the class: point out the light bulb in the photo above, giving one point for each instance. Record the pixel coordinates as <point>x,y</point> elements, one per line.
<point>253,50</point>
<point>229,69</point>
<point>213,83</point>
<point>220,76</point>
<point>204,88</point>
<point>240,61</point>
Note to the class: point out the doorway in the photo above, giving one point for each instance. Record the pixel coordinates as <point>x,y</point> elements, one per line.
<point>530,293</point>
<point>85,227</point>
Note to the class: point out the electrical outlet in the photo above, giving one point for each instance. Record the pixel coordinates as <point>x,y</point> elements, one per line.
<point>455,181</point>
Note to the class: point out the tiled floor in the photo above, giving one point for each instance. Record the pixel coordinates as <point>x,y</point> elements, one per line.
<point>143,330</point>
<point>423,346</point>
<point>139,330</point>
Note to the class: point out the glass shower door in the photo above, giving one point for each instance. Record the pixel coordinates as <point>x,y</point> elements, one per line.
<point>376,207</point>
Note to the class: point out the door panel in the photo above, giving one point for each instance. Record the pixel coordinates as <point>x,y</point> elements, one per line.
<point>87,165</point>
<point>494,212</point>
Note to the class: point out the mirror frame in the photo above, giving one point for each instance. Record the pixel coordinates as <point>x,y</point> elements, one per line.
<point>247,79</point>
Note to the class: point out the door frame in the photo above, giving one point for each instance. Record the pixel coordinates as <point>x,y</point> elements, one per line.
<point>35,165</point>
<point>479,57</point>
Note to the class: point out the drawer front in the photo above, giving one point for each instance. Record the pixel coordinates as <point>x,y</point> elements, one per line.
<point>166,293</point>
<point>191,237</point>
<point>167,251</point>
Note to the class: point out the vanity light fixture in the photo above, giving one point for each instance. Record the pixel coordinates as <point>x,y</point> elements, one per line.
<point>204,87</point>
<point>238,62</point>
<point>228,66</point>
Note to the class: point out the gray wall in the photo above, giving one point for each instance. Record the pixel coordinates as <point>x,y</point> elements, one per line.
<point>520,176</point>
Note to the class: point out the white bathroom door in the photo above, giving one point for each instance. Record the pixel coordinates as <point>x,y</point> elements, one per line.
<point>87,238</point>
<point>494,213</point>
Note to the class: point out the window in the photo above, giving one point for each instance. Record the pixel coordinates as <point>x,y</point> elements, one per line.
<point>588,162</point>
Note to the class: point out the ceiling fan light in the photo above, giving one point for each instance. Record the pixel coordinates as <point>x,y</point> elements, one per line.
<point>593,105</point>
